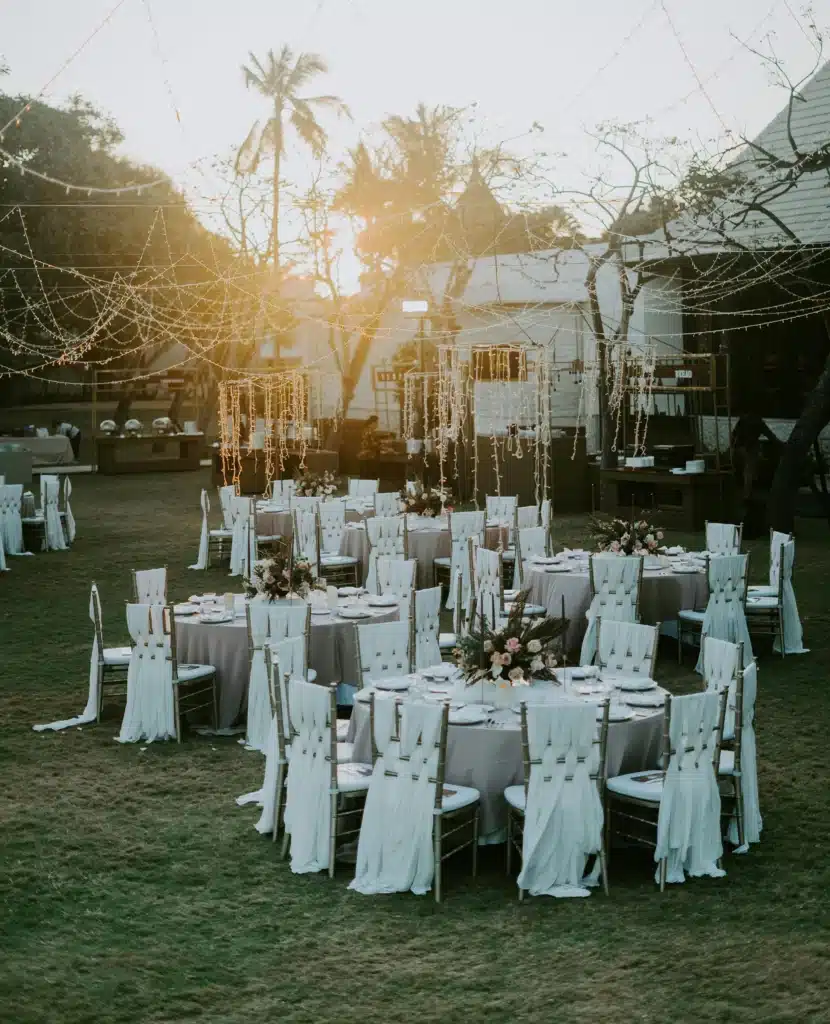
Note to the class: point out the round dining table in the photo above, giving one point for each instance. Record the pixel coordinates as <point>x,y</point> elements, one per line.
<point>333,650</point>
<point>488,756</point>
<point>427,539</point>
<point>274,518</point>
<point>663,593</point>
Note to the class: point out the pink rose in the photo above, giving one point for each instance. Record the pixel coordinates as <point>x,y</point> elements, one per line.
<point>513,644</point>
<point>506,658</point>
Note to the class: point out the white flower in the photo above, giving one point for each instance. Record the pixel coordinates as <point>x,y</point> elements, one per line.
<point>534,646</point>
<point>537,665</point>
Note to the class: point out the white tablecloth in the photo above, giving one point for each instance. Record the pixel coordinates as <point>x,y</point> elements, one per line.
<point>46,451</point>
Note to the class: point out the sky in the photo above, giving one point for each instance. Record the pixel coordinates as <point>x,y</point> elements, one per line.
<point>564,65</point>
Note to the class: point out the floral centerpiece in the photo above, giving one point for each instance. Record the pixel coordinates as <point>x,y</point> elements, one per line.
<point>426,501</point>
<point>513,654</point>
<point>282,576</point>
<point>317,485</point>
<point>621,537</point>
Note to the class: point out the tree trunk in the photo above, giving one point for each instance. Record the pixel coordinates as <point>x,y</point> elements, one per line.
<point>789,473</point>
<point>275,218</point>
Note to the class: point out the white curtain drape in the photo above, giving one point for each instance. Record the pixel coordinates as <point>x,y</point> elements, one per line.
<point>793,635</point>
<point>308,787</point>
<point>394,852</point>
<point>564,815</point>
<point>150,713</point>
<point>724,618</point>
<point>202,559</point>
<point>616,592</point>
<point>67,508</point>
<point>90,712</point>
<point>688,827</point>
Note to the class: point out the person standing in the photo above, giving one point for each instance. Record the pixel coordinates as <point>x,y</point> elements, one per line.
<point>72,432</point>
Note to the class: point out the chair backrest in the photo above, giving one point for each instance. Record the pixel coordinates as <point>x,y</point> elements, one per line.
<point>11,522</point>
<point>150,586</point>
<point>387,503</point>
<point>305,537</point>
<point>627,647</point>
<point>615,586</point>
<point>417,750</point>
<point>463,525</point>
<point>225,495</point>
<point>312,723</point>
<point>396,576</point>
<point>527,516</point>
<point>301,503</point>
<point>50,481</point>
<point>384,649</point>
<point>387,535</point>
<point>426,624</point>
<point>723,672</point>
<point>561,740</point>
<point>723,538</point>
<point>777,542</point>
<point>332,515</point>
<point>727,579</point>
<point>502,507</point>
<point>283,489</point>
<point>290,619</point>
<point>97,621</point>
<point>692,729</point>
<point>362,488</point>
<point>384,723</point>
<point>532,542</point>
<point>489,587</point>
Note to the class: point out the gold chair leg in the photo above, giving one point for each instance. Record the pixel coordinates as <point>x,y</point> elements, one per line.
<point>603,867</point>
<point>177,714</point>
<point>215,704</point>
<point>739,809</point>
<point>476,821</point>
<point>509,864</point>
<point>278,803</point>
<point>332,834</point>
<point>679,643</point>
<point>436,855</point>
<point>286,841</point>
<point>664,868</point>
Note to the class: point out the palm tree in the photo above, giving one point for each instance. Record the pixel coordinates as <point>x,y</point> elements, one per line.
<point>278,79</point>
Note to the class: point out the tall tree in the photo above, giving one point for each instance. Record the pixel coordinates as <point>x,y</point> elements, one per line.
<point>279,79</point>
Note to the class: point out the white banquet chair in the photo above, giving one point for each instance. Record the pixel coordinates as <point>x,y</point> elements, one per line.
<point>304,503</point>
<point>47,519</point>
<point>501,508</point>
<point>724,538</point>
<point>223,535</point>
<point>615,583</point>
<point>283,490</point>
<point>150,586</point>
<point>776,613</point>
<point>724,618</point>
<point>447,642</point>
<point>387,537</point>
<point>338,569</point>
<point>527,516</point>
<point>682,799</point>
<point>383,649</point>
<point>11,523</point>
<point>387,503</point>
<point>557,813</point>
<point>362,488</point>
<point>157,685</point>
<point>241,539</point>
<point>410,813</point>
<point>426,624</point>
<point>397,576</point>
<point>776,540</point>
<point>70,526</point>
<point>531,542</point>
<point>627,648</point>
<point>323,799</point>
<point>488,586</point>
<point>204,536</point>
<point>462,526</point>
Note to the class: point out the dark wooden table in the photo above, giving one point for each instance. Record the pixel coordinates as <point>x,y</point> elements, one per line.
<point>684,501</point>
<point>148,453</point>
<point>252,476</point>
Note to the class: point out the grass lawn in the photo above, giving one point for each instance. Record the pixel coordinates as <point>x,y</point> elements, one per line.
<point>135,890</point>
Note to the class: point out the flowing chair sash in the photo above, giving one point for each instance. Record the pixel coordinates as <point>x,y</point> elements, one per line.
<point>753,823</point>
<point>259,716</point>
<point>67,508</point>
<point>90,712</point>
<point>724,618</point>
<point>150,712</point>
<point>387,538</point>
<point>564,815</point>
<point>793,636</point>
<point>53,538</point>
<point>616,584</point>
<point>463,525</point>
<point>202,560</point>
<point>426,625</point>
<point>3,566</point>
<point>688,826</point>
<point>240,539</point>
<point>394,852</point>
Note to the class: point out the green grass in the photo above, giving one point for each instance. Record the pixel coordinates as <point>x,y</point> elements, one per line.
<point>135,890</point>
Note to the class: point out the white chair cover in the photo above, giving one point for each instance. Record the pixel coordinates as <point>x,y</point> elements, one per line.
<point>332,525</point>
<point>150,712</point>
<point>793,636</point>
<point>616,596</point>
<point>721,664</point>
<point>501,508</point>
<point>488,587</point>
<point>362,488</point>
<point>394,852</point>
<point>283,489</point>
<point>67,508</point>
<point>11,523</point>
<point>688,826</point>
<point>427,621</point>
<point>722,539</point>
<point>724,618</point>
<point>532,542</point>
<point>626,647</point>
<point>564,814</point>
<point>202,560</point>
<point>90,712</point>
<point>387,539</point>
<point>240,511</point>
<point>463,525</point>
<point>259,707</point>
<point>753,823</point>
<point>308,787</point>
<point>396,576</point>
<point>225,495</point>
<point>305,537</point>
<point>527,516</point>
<point>304,503</point>
<point>387,503</point>
<point>50,493</point>
<point>384,650</point>
<point>151,586</point>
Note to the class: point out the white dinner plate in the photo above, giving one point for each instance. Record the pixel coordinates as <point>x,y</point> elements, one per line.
<point>650,699</point>
<point>632,684</point>
<point>213,618</point>
<point>442,671</point>
<point>202,598</point>
<point>354,613</point>
<point>544,561</point>
<point>616,713</point>
<point>563,675</point>
<point>470,714</point>
<point>558,568</point>
<point>383,600</point>
<point>349,591</point>
<point>320,611</point>
<point>685,570</point>
<point>393,683</point>
<point>186,609</point>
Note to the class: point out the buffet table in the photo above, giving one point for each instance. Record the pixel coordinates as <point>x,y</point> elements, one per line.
<point>148,453</point>
<point>46,451</point>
